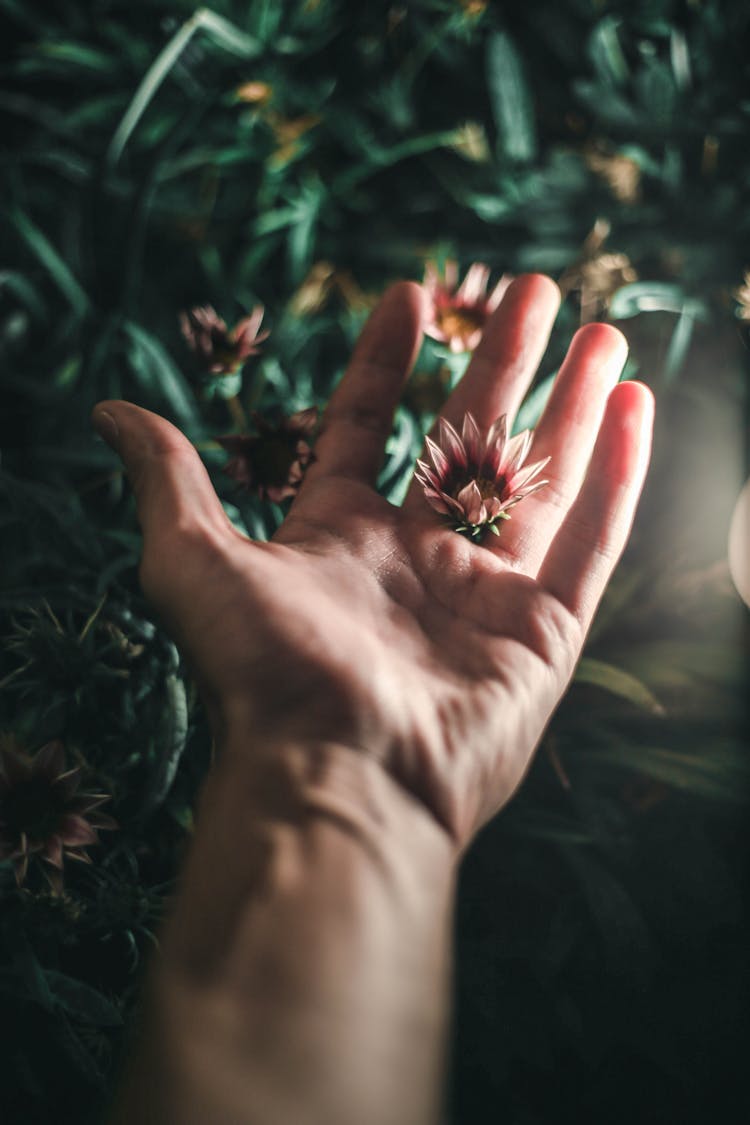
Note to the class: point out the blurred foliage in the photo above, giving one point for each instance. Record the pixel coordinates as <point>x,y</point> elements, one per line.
<point>301,155</point>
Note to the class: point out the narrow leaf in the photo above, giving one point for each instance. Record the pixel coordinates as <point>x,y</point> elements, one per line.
<point>45,252</point>
<point>510,99</point>
<point>618,682</point>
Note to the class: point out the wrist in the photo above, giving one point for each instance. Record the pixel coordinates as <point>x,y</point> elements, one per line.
<point>264,799</point>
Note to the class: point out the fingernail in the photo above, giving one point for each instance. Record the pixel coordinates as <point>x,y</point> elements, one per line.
<point>106,427</point>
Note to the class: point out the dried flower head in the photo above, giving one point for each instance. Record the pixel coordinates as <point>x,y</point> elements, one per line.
<point>621,173</point>
<point>42,814</point>
<point>456,314</point>
<point>254,92</point>
<point>597,274</point>
<point>272,461</point>
<point>219,350</point>
<point>476,480</point>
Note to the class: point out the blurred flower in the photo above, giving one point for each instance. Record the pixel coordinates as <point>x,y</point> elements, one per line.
<point>288,132</point>
<point>475,480</point>
<point>222,352</point>
<point>42,814</point>
<point>322,282</point>
<point>742,297</point>
<point>621,173</point>
<point>473,9</point>
<point>457,314</point>
<point>254,93</point>
<point>470,140</point>
<point>272,462</point>
<point>597,275</point>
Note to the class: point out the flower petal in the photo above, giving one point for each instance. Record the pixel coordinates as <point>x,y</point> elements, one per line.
<point>453,446</point>
<point>515,451</point>
<point>474,285</point>
<point>526,474</point>
<point>497,294</point>
<point>53,851</point>
<point>439,459</point>
<point>472,440</point>
<point>472,504</point>
<point>437,500</point>
<point>75,831</point>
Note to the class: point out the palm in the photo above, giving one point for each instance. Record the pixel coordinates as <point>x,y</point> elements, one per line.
<point>379,628</point>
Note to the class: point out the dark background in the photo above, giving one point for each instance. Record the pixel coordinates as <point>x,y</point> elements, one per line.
<point>602,970</point>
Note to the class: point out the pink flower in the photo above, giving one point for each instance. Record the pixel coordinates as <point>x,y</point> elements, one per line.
<point>219,350</point>
<point>456,316</point>
<point>42,814</point>
<point>476,480</point>
<point>273,461</point>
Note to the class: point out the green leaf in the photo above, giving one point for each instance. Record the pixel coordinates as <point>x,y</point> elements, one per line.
<point>606,54</point>
<point>45,252</point>
<point>224,33</point>
<point>154,367</point>
<point>618,682</point>
<point>23,291</point>
<point>170,742</point>
<point>646,296</point>
<point>510,99</point>
<point>77,54</point>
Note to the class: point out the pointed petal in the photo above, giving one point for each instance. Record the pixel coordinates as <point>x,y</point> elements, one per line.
<point>474,284</point>
<point>515,452</point>
<point>526,474</point>
<point>76,832</point>
<point>451,274</point>
<point>472,440</point>
<point>470,499</point>
<point>439,459</point>
<point>436,500</point>
<point>80,856</point>
<point>102,820</point>
<point>497,434</point>
<point>53,851</point>
<point>427,476</point>
<point>452,444</point>
<point>66,785</point>
<point>497,294</point>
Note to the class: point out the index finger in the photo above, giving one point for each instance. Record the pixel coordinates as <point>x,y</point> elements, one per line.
<point>359,417</point>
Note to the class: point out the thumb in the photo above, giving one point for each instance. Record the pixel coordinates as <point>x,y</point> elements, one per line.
<point>173,491</point>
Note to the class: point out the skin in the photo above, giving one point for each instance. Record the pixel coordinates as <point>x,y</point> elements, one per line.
<point>377,685</point>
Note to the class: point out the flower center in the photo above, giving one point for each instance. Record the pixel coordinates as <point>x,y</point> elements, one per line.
<point>273,457</point>
<point>461,322</point>
<point>31,807</point>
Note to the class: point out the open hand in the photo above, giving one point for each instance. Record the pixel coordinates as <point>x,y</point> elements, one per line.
<point>379,629</point>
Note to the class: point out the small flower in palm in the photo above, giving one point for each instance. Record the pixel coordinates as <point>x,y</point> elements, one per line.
<point>219,350</point>
<point>456,314</point>
<point>42,814</point>
<point>476,480</point>
<point>272,461</point>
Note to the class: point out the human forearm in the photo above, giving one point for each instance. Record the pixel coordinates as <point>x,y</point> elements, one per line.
<point>305,968</point>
